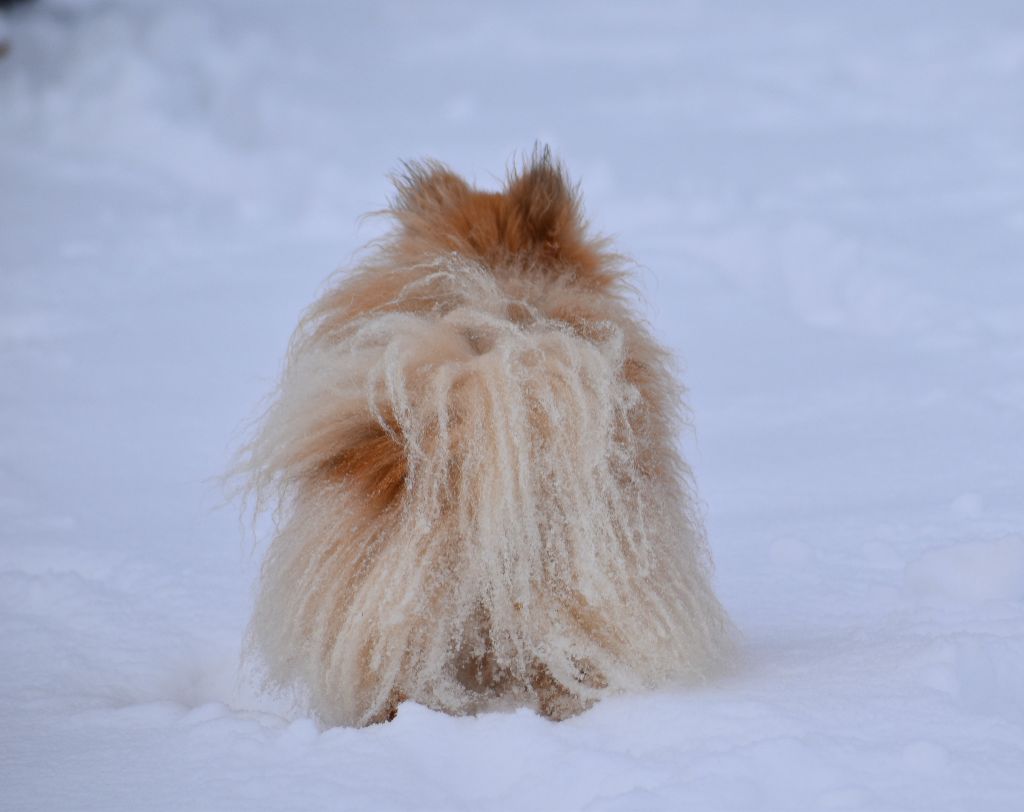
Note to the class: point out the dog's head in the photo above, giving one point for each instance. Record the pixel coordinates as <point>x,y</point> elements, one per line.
<point>535,222</point>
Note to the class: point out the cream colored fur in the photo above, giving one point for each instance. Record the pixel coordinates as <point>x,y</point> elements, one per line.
<point>472,452</point>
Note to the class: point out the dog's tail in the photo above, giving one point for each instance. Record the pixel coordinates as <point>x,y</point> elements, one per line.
<point>479,511</point>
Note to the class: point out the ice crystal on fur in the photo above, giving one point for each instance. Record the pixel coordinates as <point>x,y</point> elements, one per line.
<point>472,453</point>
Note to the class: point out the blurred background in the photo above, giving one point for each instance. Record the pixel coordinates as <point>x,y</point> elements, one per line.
<point>825,203</point>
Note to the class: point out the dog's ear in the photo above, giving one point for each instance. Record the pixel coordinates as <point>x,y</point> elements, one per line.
<point>536,221</point>
<point>544,207</point>
<point>427,187</point>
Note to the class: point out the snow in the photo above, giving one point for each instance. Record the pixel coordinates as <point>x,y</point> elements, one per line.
<point>970,571</point>
<point>827,206</point>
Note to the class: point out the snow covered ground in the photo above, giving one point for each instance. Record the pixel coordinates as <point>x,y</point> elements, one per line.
<point>827,202</point>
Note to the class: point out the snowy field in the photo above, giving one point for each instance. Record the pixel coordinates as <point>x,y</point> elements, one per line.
<point>826,201</point>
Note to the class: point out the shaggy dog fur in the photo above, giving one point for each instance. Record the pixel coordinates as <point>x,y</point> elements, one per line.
<point>479,500</point>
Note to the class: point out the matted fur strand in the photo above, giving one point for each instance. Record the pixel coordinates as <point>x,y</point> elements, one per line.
<point>479,500</point>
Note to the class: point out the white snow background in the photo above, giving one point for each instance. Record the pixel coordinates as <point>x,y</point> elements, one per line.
<point>827,204</point>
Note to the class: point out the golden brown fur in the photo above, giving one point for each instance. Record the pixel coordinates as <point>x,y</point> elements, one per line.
<point>472,450</point>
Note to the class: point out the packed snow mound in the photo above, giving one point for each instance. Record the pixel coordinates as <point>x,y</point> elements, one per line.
<point>970,571</point>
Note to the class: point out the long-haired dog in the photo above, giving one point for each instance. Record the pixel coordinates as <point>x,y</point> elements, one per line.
<point>472,454</point>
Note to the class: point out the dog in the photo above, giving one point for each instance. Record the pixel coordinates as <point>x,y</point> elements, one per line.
<point>471,457</point>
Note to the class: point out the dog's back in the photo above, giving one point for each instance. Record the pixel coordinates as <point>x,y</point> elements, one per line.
<point>473,445</point>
